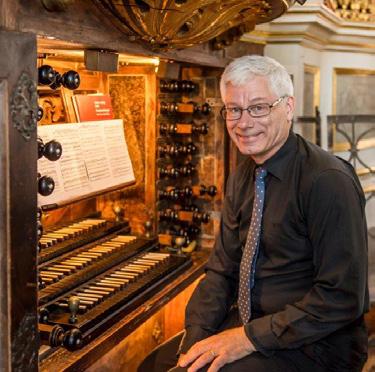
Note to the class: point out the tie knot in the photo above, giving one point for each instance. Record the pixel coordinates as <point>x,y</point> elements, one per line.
<point>260,173</point>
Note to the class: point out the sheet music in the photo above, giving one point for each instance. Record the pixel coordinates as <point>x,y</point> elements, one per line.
<point>119,159</point>
<point>94,157</point>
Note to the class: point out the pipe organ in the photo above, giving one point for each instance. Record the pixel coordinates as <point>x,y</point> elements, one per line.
<point>109,241</point>
<point>113,165</point>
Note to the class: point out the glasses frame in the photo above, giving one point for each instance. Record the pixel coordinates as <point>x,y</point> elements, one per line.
<point>248,109</point>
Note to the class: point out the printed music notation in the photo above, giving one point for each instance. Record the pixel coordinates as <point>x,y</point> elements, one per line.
<point>95,157</point>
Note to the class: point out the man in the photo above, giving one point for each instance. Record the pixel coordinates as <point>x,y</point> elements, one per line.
<point>291,252</point>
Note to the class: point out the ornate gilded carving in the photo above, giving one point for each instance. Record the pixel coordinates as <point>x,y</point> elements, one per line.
<point>56,5</point>
<point>230,36</point>
<point>353,10</point>
<point>182,23</point>
<point>23,108</point>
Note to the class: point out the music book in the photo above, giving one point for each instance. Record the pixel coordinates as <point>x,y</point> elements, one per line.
<point>92,107</point>
<point>94,158</point>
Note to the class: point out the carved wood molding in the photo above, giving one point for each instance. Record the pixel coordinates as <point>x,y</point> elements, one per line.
<point>23,106</point>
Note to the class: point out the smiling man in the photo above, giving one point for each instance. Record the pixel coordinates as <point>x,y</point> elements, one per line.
<point>286,284</point>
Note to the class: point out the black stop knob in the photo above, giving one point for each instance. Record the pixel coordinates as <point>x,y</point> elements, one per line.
<point>41,284</point>
<point>173,195</point>
<point>205,217</point>
<point>163,86</point>
<point>46,185</point>
<point>57,82</point>
<point>201,129</point>
<point>56,336</point>
<point>52,150</point>
<point>72,339</point>
<point>174,86</point>
<point>211,190</point>
<point>46,75</point>
<point>39,213</point>
<point>205,109</point>
<point>191,148</point>
<point>39,229</point>
<point>40,113</point>
<point>187,192</point>
<point>40,147</point>
<point>194,230</point>
<point>71,80</point>
<point>43,314</point>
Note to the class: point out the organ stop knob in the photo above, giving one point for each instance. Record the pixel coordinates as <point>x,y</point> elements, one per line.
<point>73,307</point>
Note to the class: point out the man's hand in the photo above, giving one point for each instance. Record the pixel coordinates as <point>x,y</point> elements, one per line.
<point>220,349</point>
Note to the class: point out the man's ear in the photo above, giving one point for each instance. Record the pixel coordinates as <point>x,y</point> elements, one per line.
<point>290,106</point>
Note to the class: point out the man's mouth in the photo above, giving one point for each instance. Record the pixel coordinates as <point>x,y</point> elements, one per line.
<point>248,137</point>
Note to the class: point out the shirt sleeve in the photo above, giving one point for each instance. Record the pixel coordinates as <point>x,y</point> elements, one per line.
<point>337,232</point>
<point>217,291</point>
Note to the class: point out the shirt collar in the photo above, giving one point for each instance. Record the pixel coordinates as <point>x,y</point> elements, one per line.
<point>279,162</point>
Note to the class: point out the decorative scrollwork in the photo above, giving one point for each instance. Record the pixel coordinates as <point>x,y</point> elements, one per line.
<point>353,10</point>
<point>182,23</point>
<point>23,108</point>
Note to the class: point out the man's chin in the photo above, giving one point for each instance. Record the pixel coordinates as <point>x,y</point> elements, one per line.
<point>247,150</point>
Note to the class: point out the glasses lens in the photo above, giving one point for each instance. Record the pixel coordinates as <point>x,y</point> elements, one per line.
<point>260,110</point>
<point>231,113</point>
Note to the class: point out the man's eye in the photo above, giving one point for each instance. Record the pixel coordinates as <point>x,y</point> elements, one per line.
<point>233,110</point>
<point>259,108</point>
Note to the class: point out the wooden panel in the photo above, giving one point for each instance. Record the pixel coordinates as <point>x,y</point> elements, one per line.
<point>20,208</point>
<point>133,100</point>
<point>174,312</point>
<point>128,354</point>
<point>4,229</point>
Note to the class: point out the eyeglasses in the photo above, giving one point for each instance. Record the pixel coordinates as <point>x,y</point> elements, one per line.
<point>255,111</point>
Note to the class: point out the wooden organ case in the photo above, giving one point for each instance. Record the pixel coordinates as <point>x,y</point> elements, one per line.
<point>116,263</point>
<point>105,254</point>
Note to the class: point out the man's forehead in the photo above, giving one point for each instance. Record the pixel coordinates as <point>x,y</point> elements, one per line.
<point>249,92</point>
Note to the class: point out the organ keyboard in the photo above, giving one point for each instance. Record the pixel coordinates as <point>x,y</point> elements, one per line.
<point>86,286</point>
<point>69,236</point>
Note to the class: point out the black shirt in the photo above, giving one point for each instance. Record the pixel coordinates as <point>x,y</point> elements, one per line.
<point>311,271</point>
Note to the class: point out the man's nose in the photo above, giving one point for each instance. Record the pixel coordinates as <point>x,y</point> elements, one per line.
<point>246,120</point>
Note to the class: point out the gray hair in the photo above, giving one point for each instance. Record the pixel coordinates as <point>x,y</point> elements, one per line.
<point>241,70</point>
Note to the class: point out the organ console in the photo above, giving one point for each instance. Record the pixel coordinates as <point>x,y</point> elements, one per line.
<point>95,268</point>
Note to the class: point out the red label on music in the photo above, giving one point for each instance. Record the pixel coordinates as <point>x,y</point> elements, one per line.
<point>93,107</point>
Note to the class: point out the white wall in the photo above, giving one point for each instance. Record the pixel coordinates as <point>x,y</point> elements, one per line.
<point>295,56</point>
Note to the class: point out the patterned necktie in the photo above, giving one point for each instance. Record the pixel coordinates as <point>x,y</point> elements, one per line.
<point>249,255</point>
